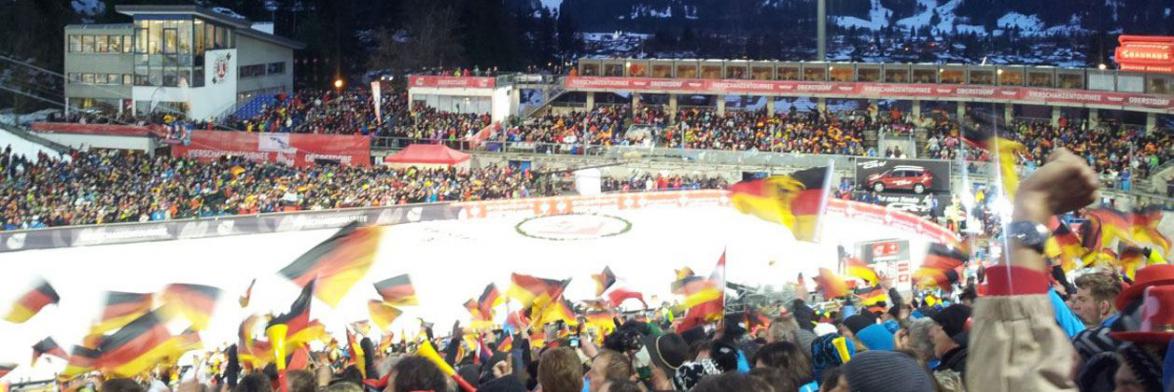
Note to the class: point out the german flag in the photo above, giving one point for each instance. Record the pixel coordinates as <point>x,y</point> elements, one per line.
<point>385,342</point>
<point>1131,259</point>
<point>48,346</point>
<point>1065,246</point>
<point>397,290</point>
<point>251,351</point>
<point>299,328</point>
<point>529,290</point>
<point>557,310</point>
<point>603,280</point>
<point>619,295</point>
<point>337,263</point>
<point>793,201</point>
<point>604,321</point>
<point>137,347</point>
<point>857,268</point>
<point>32,302</point>
<point>979,131</point>
<point>363,327</point>
<point>358,357</point>
<point>874,296</point>
<point>474,309</point>
<point>832,284</point>
<point>684,272</point>
<point>707,303</point>
<point>517,320</point>
<point>244,299</point>
<point>6,368</point>
<point>490,298</point>
<point>192,301</point>
<point>506,344</point>
<point>931,277</point>
<point>942,257</point>
<point>1144,229</point>
<point>382,314</point>
<point>120,309</point>
<point>81,360</point>
<point>188,340</point>
<point>1113,224</point>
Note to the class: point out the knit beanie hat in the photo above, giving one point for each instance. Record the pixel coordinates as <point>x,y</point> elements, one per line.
<point>691,373</point>
<point>857,322</point>
<point>876,337</point>
<point>886,371</point>
<point>952,318</point>
<point>725,356</point>
<point>1145,367</point>
<point>1098,371</point>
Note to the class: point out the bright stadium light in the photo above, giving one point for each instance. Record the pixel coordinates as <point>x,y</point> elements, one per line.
<point>338,84</point>
<point>1102,67</point>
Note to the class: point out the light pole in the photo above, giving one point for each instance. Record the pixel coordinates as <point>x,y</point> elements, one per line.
<point>821,37</point>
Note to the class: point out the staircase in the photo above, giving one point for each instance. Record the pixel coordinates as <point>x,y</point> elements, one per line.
<point>550,94</point>
<point>252,107</point>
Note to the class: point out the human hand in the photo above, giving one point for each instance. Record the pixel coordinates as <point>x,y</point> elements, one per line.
<point>503,368</point>
<point>1065,183</point>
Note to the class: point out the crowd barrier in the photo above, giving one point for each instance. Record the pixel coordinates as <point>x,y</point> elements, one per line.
<point>125,233</point>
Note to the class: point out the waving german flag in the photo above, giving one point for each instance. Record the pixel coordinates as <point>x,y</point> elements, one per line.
<point>397,290</point>
<point>603,280</point>
<point>1144,229</point>
<point>244,299</point>
<point>874,296</point>
<point>490,298</point>
<point>251,351</point>
<point>529,290</point>
<point>31,303</point>
<point>1065,246</point>
<point>81,360</point>
<point>137,347</point>
<point>194,302</point>
<point>120,309</point>
<point>980,131</point>
<point>48,346</point>
<point>620,294</point>
<point>857,268</point>
<point>337,263</point>
<point>382,314</point>
<point>705,302</point>
<point>6,368</point>
<point>832,284</point>
<point>942,257</point>
<point>299,328</point>
<point>794,201</point>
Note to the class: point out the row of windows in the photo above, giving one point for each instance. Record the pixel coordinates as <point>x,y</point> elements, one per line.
<point>258,70</point>
<point>180,36</point>
<point>85,43</point>
<point>110,79</point>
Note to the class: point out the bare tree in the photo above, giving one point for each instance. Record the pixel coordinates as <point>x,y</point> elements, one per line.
<point>429,38</point>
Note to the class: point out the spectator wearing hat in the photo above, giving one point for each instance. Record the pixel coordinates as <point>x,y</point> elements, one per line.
<point>1153,315</point>
<point>949,336</point>
<point>864,329</point>
<point>884,371</point>
<point>825,355</point>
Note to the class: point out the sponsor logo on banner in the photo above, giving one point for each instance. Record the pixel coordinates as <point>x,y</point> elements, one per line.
<point>113,235</point>
<point>275,142</point>
<point>15,241</point>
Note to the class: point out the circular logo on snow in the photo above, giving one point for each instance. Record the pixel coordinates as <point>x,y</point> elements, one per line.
<point>573,227</point>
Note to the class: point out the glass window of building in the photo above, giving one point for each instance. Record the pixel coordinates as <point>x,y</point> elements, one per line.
<point>868,74</point>
<point>88,78</point>
<point>814,73</point>
<point>185,37</point>
<point>198,36</point>
<point>115,44</point>
<point>788,72</point>
<point>88,43</point>
<point>128,79</point>
<point>155,37</point>
<point>75,43</point>
<point>140,40</point>
<point>170,40</point>
<point>74,77</point>
<point>102,43</point>
<point>126,43</point>
<point>277,68</point>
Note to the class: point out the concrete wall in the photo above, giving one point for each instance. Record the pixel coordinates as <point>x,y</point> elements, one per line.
<point>254,52</point>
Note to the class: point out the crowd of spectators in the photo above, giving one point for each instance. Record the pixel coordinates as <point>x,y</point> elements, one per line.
<point>1118,153</point>
<point>808,132</point>
<point>659,182</point>
<point>601,126</point>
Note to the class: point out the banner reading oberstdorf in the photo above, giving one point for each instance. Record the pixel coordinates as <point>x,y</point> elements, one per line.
<point>290,148</point>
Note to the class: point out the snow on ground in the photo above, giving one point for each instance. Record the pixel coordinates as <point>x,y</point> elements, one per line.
<point>88,8</point>
<point>1027,24</point>
<point>22,146</point>
<point>946,18</point>
<point>552,4</point>
<point>878,18</point>
<point>449,262</point>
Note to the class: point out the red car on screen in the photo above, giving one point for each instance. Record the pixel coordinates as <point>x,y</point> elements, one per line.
<point>910,178</point>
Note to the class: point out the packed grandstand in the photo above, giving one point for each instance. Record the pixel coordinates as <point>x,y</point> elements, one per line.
<point>1016,253</point>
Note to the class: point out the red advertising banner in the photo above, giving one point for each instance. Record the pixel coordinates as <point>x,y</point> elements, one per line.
<point>290,148</point>
<point>452,81</point>
<point>1145,53</point>
<point>100,129</point>
<point>864,90</point>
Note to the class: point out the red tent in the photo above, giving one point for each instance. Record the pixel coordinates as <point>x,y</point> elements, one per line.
<point>433,155</point>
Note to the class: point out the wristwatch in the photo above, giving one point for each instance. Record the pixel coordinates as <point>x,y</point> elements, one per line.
<point>1030,234</point>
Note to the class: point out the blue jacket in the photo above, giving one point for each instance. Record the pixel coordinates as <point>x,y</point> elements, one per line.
<point>1064,316</point>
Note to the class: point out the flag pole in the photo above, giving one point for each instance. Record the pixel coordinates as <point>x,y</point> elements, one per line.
<point>823,200</point>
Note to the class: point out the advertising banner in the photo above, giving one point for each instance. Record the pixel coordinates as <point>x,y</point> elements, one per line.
<point>866,90</point>
<point>290,148</point>
<point>903,175</point>
<point>1145,53</point>
<point>452,81</point>
<point>890,258</point>
<point>922,205</point>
